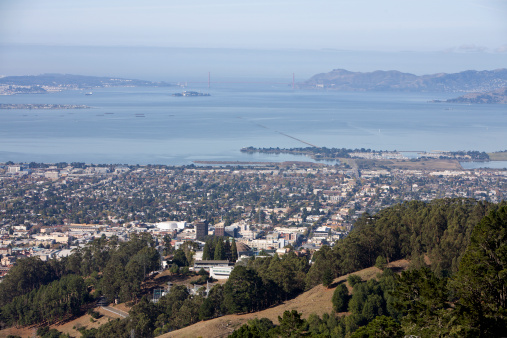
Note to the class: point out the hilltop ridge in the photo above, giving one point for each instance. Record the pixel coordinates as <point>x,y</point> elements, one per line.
<point>393,80</point>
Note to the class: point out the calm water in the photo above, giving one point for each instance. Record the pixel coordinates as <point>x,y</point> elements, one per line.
<point>148,125</point>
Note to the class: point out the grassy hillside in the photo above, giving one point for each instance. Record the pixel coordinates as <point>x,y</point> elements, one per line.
<point>316,300</point>
<point>498,156</point>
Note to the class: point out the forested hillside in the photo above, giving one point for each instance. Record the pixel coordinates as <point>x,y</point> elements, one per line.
<point>456,285</point>
<point>471,302</point>
<point>438,232</point>
<point>37,292</point>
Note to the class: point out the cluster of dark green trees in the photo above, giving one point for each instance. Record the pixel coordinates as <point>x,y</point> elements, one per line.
<point>438,231</point>
<point>216,248</point>
<point>36,291</point>
<point>292,325</point>
<point>370,306</point>
<point>474,155</point>
<point>49,303</point>
<point>263,282</point>
<point>470,302</point>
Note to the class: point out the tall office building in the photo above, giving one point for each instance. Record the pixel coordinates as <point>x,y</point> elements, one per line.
<point>201,230</point>
<point>220,229</point>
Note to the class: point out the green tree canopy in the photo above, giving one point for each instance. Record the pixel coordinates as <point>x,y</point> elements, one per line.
<point>179,258</point>
<point>481,281</point>
<point>340,298</point>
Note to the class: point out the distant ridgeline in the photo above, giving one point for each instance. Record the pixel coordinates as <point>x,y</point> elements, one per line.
<point>467,81</point>
<point>40,84</point>
<point>323,153</point>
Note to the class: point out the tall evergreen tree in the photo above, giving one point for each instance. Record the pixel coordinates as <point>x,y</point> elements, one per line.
<point>340,298</point>
<point>206,251</point>
<point>180,258</point>
<point>168,248</point>
<point>242,292</point>
<point>234,251</point>
<point>227,249</point>
<point>219,251</point>
<point>327,278</point>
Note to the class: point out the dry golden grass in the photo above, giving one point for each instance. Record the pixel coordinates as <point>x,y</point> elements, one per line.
<point>23,332</point>
<point>316,300</point>
<point>498,156</point>
<point>85,321</point>
<point>68,327</point>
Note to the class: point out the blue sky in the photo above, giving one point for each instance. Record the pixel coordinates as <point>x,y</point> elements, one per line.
<point>387,25</point>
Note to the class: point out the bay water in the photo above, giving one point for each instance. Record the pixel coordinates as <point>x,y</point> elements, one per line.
<point>147,125</point>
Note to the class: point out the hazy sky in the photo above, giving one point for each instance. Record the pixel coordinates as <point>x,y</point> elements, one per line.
<point>386,25</point>
<point>174,40</point>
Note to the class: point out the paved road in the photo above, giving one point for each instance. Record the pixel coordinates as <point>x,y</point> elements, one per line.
<point>120,313</point>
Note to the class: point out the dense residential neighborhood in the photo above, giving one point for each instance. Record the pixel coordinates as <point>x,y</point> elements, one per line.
<point>50,210</point>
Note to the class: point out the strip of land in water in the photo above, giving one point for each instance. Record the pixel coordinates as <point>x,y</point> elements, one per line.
<point>41,106</point>
<point>362,164</point>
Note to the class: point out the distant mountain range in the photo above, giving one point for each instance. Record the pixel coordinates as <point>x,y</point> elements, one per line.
<point>74,81</point>
<point>467,81</point>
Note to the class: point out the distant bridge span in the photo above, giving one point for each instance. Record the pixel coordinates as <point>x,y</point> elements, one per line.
<point>209,82</point>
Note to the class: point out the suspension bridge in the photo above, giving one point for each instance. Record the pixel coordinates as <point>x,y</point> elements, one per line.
<point>209,82</point>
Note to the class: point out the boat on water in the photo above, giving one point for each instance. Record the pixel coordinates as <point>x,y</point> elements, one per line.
<point>89,93</point>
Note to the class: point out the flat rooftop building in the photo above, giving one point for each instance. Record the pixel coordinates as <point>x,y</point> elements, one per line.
<point>201,230</point>
<point>208,264</point>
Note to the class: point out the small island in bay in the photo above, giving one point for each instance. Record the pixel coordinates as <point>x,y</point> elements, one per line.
<point>190,93</point>
<point>323,153</point>
<point>41,106</point>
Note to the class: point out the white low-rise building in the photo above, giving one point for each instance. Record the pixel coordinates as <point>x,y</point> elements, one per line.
<point>220,272</point>
<point>171,225</point>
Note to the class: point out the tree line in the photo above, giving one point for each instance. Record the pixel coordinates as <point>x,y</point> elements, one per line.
<point>216,248</point>
<point>438,231</point>
<point>36,291</point>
